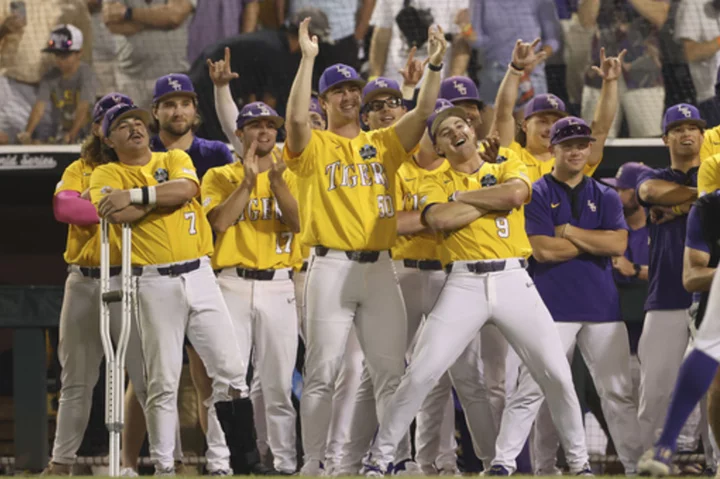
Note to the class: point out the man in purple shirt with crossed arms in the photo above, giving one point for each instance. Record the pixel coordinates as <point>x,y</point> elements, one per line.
<point>575,225</point>
<point>669,193</point>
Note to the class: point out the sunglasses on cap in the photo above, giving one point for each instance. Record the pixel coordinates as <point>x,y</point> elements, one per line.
<point>378,105</point>
<point>572,131</point>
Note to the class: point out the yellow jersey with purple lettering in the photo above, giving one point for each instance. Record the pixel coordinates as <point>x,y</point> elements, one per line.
<point>496,235</point>
<point>347,188</point>
<point>536,168</point>
<point>164,235</point>
<point>258,239</point>
<point>708,179</point>
<point>710,145</point>
<point>83,242</point>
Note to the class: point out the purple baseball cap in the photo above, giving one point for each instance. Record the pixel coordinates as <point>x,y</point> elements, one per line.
<point>107,102</point>
<point>339,74</point>
<point>679,114</point>
<point>315,106</point>
<point>545,103</point>
<point>258,110</point>
<point>120,112</point>
<point>627,176</point>
<point>173,84</point>
<point>380,86</point>
<point>443,110</point>
<point>458,88</point>
<point>570,128</point>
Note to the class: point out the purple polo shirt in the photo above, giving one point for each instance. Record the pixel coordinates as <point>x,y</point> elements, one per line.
<point>581,289</point>
<point>205,154</point>
<point>667,244</point>
<point>637,251</point>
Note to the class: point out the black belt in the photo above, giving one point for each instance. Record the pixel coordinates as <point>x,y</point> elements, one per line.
<point>482,267</point>
<point>95,272</point>
<point>257,274</point>
<point>304,267</point>
<point>173,270</point>
<point>359,256</point>
<point>423,264</point>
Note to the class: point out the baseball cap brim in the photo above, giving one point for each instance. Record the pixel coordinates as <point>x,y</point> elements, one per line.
<point>610,181</point>
<point>144,116</point>
<point>190,94</point>
<point>470,99</point>
<point>359,83</point>
<point>442,116</point>
<point>381,91</point>
<point>59,50</point>
<point>559,113</point>
<point>575,137</point>
<point>278,121</point>
<point>692,121</point>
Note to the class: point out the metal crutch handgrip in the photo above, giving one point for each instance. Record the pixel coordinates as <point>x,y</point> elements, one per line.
<point>115,357</point>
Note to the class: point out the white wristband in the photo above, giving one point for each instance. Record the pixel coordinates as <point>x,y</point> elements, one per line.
<point>136,197</point>
<point>152,196</point>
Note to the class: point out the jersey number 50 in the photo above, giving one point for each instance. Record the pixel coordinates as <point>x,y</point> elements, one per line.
<point>385,206</point>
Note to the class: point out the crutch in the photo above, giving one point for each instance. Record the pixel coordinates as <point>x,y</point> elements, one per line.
<point>115,355</point>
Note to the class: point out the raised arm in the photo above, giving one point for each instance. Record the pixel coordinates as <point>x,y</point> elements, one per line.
<point>665,193</point>
<point>298,107</point>
<point>524,55</point>
<point>610,70</point>
<point>225,107</point>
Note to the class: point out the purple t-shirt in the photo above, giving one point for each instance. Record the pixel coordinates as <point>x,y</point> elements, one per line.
<point>205,154</point>
<point>667,244</point>
<point>637,252</point>
<point>581,289</point>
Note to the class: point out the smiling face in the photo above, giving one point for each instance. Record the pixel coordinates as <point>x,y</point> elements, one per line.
<point>263,131</point>
<point>176,114</point>
<point>128,135</point>
<point>684,140</point>
<point>537,129</point>
<point>342,102</point>
<point>455,139</point>
<point>571,156</point>
<point>383,111</point>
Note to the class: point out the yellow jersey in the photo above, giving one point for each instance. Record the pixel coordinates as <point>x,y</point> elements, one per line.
<point>493,236</point>
<point>708,179</point>
<point>711,144</point>
<point>347,189</point>
<point>424,245</point>
<point>536,168</point>
<point>258,239</point>
<point>83,242</point>
<point>164,235</point>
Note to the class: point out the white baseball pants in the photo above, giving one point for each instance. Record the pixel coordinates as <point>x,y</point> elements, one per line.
<point>606,350</point>
<point>169,308</point>
<point>661,350</point>
<point>338,293</point>
<point>468,300</point>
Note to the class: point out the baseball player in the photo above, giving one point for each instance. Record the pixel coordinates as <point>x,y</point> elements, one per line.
<point>544,110</point>
<point>346,178</point>
<point>668,193</point>
<point>251,207</point>
<point>699,367</point>
<point>80,350</point>
<point>176,289</point>
<point>575,226</point>
<point>480,203</point>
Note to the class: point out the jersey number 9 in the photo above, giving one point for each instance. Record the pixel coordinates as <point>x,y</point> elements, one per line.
<point>503,227</point>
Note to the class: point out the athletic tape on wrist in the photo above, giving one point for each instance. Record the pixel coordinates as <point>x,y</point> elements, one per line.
<point>152,196</point>
<point>136,196</point>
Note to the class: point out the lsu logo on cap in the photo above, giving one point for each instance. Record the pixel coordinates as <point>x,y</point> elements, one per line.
<point>342,69</point>
<point>264,110</point>
<point>459,87</point>
<point>685,111</point>
<point>553,102</point>
<point>381,83</point>
<point>174,84</point>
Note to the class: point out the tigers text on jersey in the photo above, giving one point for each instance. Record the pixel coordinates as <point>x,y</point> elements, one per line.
<point>165,235</point>
<point>424,245</point>
<point>708,179</point>
<point>536,168</point>
<point>258,239</point>
<point>347,189</point>
<point>83,243</point>
<point>493,236</point>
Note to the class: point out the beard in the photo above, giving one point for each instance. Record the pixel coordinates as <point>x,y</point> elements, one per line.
<point>176,130</point>
<point>630,210</point>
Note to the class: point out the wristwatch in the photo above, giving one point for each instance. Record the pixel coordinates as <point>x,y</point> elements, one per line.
<point>637,270</point>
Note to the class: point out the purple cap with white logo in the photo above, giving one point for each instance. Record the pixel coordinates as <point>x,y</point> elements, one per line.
<point>627,176</point>
<point>107,102</point>
<point>443,110</point>
<point>570,128</point>
<point>315,106</point>
<point>680,114</point>
<point>380,86</point>
<point>458,88</point>
<point>120,112</point>
<point>258,111</point>
<point>339,74</point>
<point>173,84</point>
<point>545,103</point>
